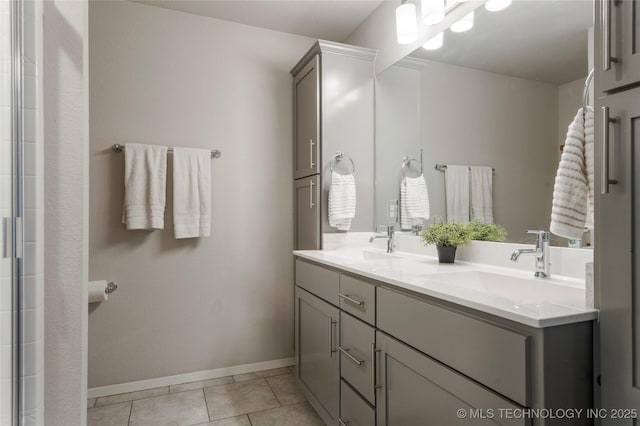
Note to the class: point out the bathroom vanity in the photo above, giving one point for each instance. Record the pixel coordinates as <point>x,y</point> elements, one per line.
<point>401,340</point>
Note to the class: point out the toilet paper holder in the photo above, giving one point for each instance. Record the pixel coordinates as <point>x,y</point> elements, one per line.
<point>111,287</point>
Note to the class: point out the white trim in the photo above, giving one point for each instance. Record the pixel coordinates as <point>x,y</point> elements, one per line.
<point>187,378</point>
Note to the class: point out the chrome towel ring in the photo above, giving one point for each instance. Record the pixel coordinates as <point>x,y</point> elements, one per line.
<point>406,164</point>
<point>339,156</point>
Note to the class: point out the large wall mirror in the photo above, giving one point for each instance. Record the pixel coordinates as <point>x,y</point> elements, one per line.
<point>500,95</point>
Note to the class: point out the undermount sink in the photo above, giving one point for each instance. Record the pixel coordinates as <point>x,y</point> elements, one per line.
<point>521,292</point>
<point>362,255</point>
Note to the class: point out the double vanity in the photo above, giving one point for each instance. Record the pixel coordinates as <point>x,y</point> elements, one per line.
<point>399,339</point>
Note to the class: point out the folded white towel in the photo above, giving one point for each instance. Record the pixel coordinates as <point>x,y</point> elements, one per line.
<point>571,189</point>
<point>456,180</point>
<point>414,202</point>
<point>191,192</point>
<point>342,201</point>
<point>481,193</point>
<point>145,179</point>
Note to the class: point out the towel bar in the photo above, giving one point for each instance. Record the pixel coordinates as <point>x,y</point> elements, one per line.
<point>215,153</point>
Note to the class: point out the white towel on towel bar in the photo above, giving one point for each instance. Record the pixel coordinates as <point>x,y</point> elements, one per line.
<point>414,202</point>
<point>456,180</point>
<point>191,192</point>
<point>572,203</point>
<point>145,179</point>
<point>481,193</point>
<point>342,201</point>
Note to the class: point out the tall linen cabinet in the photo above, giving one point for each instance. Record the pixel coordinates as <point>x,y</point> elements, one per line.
<point>617,136</point>
<point>333,98</point>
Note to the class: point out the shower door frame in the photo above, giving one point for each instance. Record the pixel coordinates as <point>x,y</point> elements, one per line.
<point>16,58</point>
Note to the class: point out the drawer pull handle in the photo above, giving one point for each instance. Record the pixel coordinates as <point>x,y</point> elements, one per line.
<point>374,352</point>
<point>342,422</point>
<point>606,36</point>
<point>331,333</point>
<point>351,299</point>
<point>604,172</point>
<point>348,355</point>
<point>311,145</point>
<point>311,203</point>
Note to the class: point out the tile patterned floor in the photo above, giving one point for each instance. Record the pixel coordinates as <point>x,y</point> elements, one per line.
<point>264,398</point>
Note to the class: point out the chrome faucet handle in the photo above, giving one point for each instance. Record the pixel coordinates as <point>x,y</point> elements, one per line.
<point>542,236</point>
<point>386,229</point>
<point>540,233</point>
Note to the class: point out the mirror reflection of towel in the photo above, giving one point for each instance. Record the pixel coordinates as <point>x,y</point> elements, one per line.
<point>481,193</point>
<point>414,202</point>
<point>456,182</point>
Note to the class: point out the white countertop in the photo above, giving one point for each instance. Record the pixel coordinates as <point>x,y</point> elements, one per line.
<point>504,292</point>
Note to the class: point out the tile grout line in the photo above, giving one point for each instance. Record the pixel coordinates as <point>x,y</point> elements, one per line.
<point>273,392</point>
<point>275,408</point>
<point>206,404</point>
<point>130,411</point>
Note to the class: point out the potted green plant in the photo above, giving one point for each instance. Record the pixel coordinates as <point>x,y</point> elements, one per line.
<point>447,237</point>
<point>480,231</point>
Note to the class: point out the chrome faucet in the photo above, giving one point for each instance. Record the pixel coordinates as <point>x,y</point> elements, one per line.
<point>541,251</point>
<point>390,236</point>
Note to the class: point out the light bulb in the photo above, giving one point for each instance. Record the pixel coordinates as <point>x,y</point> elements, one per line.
<point>434,42</point>
<point>432,11</point>
<point>463,24</point>
<point>495,5</point>
<point>406,25</point>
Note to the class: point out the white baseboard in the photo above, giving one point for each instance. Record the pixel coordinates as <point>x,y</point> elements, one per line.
<point>188,377</point>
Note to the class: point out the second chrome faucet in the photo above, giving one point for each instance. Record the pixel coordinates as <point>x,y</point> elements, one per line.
<point>390,236</point>
<point>541,251</point>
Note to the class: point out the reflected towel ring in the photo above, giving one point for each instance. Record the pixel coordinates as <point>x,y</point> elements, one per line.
<point>406,163</point>
<point>339,156</point>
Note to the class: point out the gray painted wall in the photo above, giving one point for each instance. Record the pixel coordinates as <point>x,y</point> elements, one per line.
<point>66,211</point>
<point>569,100</point>
<point>166,77</point>
<point>479,118</point>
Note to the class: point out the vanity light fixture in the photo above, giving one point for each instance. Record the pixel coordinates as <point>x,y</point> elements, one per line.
<point>463,24</point>
<point>495,5</point>
<point>434,42</point>
<point>432,11</point>
<point>406,23</point>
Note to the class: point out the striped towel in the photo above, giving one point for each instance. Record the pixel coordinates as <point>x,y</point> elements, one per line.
<point>342,201</point>
<point>414,202</point>
<point>574,180</point>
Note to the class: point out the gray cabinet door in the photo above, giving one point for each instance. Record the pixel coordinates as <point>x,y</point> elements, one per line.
<point>617,47</point>
<point>306,119</point>
<point>617,263</point>
<point>317,323</point>
<point>413,389</point>
<point>307,214</point>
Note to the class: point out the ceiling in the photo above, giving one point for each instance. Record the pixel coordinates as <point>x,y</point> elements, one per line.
<point>542,40</point>
<point>332,20</point>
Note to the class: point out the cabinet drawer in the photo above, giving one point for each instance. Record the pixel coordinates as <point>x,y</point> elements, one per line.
<point>354,411</point>
<point>320,281</point>
<point>416,390</point>
<point>357,343</point>
<point>491,355</point>
<point>358,298</point>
